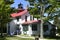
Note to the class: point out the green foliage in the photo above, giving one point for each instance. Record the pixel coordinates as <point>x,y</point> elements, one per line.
<point>14,38</point>
<point>53,5</point>
<point>34,11</point>
<point>57,19</point>
<point>51,9</point>
<point>30,0</point>
<point>5,11</point>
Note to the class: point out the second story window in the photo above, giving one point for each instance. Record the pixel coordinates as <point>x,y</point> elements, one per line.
<point>17,18</point>
<point>25,18</point>
<point>30,17</point>
<point>33,17</point>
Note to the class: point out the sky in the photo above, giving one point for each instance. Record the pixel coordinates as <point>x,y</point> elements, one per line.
<point>16,2</point>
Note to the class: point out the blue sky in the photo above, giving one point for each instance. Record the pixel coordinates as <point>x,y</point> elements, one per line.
<point>25,3</point>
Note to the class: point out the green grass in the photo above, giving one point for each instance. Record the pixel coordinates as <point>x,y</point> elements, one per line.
<point>18,38</point>
<point>15,38</point>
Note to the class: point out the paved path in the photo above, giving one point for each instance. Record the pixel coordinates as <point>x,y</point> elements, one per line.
<point>32,37</point>
<point>25,36</point>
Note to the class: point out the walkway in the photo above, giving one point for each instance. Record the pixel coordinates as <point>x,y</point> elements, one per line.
<point>25,36</point>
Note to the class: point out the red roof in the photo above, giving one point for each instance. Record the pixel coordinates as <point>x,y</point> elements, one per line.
<point>19,13</point>
<point>32,21</point>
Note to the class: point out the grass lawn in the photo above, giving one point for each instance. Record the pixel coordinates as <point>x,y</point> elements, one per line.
<point>18,38</point>
<point>15,38</point>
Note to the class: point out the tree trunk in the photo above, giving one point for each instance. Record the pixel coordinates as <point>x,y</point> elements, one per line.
<point>41,28</point>
<point>1,27</point>
<point>1,31</point>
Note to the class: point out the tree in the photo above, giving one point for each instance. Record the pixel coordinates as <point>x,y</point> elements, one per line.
<point>35,11</point>
<point>57,19</point>
<point>46,6</point>
<point>5,11</point>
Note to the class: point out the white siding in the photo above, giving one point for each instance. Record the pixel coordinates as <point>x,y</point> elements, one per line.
<point>23,17</point>
<point>12,27</point>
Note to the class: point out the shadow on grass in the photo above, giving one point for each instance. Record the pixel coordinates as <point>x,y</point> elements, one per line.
<point>56,37</point>
<point>2,38</point>
<point>14,38</point>
<point>5,37</point>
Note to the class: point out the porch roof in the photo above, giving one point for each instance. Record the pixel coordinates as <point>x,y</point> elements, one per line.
<point>19,13</point>
<point>32,21</point>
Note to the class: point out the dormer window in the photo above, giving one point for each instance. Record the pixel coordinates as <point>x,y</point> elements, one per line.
<point>25,18</point>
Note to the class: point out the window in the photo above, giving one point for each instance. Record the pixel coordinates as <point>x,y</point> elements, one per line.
<point>33,17</point>
<point>45,27</point>
<point>25,18</point>
<point>34,27</point>
<point>17,27</point>
<point>30,17</point>
<point>17,18</point>
<point>25,27</point>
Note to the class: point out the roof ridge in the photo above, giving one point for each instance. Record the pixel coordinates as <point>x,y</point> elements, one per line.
<point>19,14</point>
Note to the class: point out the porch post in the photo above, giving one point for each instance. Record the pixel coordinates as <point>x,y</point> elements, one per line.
<point>30,29</point>
<point>21,29</point>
